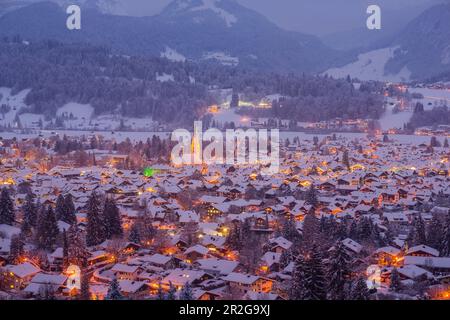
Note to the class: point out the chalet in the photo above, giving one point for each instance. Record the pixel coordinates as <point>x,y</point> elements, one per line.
<point>270,262</point>
<point>40,280</point>
<point>387,256</point>
<point>18,276</point>
<point>352,246</point>
<point>132,289</point>
<point>196,252</point>
<point>126,272</point>
<point>407,272</point>
<point>422,251</point>
<point>159,260</point>
<point>279,244</point>
<point>243,283</point>
<point>437,265</point>
<point>217,267</point>
<point>179,277</point>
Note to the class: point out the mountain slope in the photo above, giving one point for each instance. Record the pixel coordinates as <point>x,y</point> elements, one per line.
<point>420,51</point>
<point>216,30</point>
<point>424,45</point>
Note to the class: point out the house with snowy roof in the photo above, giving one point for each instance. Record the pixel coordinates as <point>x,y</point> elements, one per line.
<point>41,280</point>
<point>179,277</point>
<point>422,251</point>
<point>242,283</point>
<point>18,276</point>
<point>217,267</point>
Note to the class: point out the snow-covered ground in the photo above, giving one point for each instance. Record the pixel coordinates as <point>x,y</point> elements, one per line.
<point>370,66</point>
<point>173,55</point>
<point>228,18</point>
<point>222,57</point>
<point>432,97</point>
<point>143,136</point>
<point>15,102</point>
<point>390,120</point>
<point>227,115</point>
<point>75,115</point>
<point>164,77</point>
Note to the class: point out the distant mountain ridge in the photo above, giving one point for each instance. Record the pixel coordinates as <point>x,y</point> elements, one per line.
<point>202,30</point>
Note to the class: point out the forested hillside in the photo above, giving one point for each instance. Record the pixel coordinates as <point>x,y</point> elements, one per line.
<point>170,92</point>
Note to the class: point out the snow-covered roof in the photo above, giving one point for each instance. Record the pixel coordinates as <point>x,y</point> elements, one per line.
<point>431,262</point>
<point>43,278</point>
<point>423,248</point>
<point>222,267</point>
<point>9,231</point>
<point>23,270</point>
<point>124,268</point>
<point>242,278</point>
<point>352,245</point>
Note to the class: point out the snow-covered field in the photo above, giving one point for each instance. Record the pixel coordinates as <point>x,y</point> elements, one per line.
<point>432,97</point>
<point>227,115</point>
<point>222,57</point>
<point>75,115</point>
<point>390,120</point>
<point>16,102</point>
<point>370,66</point>
<point>173,55</point>
<point>164,77</point>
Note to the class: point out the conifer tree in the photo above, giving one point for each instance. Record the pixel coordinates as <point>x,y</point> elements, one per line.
<point>95,229</point>
<point>114,291</point>
<point>364,228</point>
<point>113,222</point>
<point>289,230</point>
<point>84,286</point>
<point>353,230</point>
<point>285,258</point>
<point>16,249</point>
<point>69,210</point>
<point>359,290</point>
<point>338,272</point>
<point>314,276</point>
<point>65,249</point>
<point>60,207</point>
<point>171,294</point>
<point>346,160</point>
<point>186,292</point>
<point>160,294</point>
<point>135,235</point>
<point>76,251</point>
<point>298,289</point>
<point>233,240</point>
<point>310,228</point>
<point>47,229</point>
<point>395,284</point>
<point>311,196</point>
<point>418,228</point>
<point>7,214</point>
<point>30,212</point>
<point>445,243</point>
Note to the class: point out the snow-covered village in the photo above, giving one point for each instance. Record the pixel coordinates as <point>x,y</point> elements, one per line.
<point>115,119</point>
<point>344,218</point>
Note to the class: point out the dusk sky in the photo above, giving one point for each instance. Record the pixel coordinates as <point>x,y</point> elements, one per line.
<point>310,16</point>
